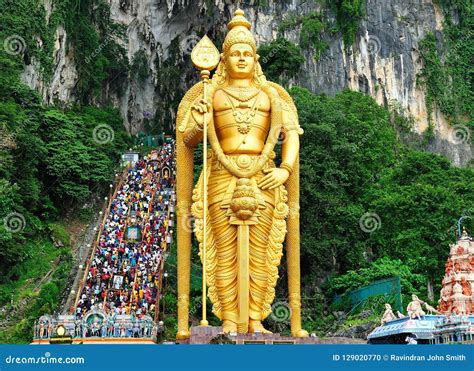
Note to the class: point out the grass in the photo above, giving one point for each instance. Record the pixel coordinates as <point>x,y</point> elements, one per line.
<point>42,255</point>
<point>59,232</point>
<point>36,288</point>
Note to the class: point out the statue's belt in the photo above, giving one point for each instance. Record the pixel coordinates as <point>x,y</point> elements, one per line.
<point>243,162</point>
<point>219,175</point>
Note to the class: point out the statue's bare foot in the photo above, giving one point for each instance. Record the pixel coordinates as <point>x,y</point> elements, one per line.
<point>300,333</point>
<point>183,335</point>
<point>256,326</point>
<point>229,326</point>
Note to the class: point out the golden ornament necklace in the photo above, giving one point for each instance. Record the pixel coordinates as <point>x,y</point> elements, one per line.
<point>240,94</point>
<point>245,115</point>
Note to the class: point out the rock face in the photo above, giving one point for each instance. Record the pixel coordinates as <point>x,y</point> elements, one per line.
<point>60,88</point>
<point>383,62</point>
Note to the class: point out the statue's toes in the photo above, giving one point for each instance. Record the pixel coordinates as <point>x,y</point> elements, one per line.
<point>183,335</point>
<point>228,327</point>
<point>301,334</point>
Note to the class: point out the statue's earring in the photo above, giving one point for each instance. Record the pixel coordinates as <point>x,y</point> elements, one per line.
<point>221,70</point>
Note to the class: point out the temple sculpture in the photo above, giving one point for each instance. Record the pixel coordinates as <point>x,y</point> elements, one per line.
<point>388,315</point>
<point>246,202</point>
<point>414,308</point>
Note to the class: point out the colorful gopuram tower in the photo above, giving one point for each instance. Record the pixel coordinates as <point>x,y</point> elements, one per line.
<point>457,292</point>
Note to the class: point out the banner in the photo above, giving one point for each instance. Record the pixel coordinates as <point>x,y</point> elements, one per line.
<point>235,357</point>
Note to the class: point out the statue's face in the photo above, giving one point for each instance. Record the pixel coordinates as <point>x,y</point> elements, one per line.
<point>240,61</point>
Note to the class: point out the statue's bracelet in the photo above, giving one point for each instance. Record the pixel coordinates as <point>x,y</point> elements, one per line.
<point>286,166</point>
<point>199,126</point>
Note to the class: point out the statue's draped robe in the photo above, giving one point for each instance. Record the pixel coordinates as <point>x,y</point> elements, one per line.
<point>266,238</point>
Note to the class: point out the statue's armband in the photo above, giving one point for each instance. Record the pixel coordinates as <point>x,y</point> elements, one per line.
<point>290,120</point>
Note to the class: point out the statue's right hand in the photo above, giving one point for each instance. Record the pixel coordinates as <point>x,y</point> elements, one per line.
<point>198,110</point>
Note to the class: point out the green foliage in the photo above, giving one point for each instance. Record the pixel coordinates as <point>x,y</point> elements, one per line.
<point>50,159</point>
<point>99,59</point>
<point>419,201</point>
<point>447,71</point>
<point>351,164</point>
<point>434,78</point>
<point>289,22</point>
<point>170,92</point>
<point>263,4</point>
<point>139,65</point>
<point>312,27</point>
<point>401,118</point>
<point>27,37</point>
<point>59,233</point>
<point>382,268</point>
<point>76,157</point>
<point>349,13</point>
<point>34,287</point>
<point>348,141</point>
<point>280,60</point>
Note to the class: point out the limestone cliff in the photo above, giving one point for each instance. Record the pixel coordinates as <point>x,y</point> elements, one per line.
<point>384,60</point>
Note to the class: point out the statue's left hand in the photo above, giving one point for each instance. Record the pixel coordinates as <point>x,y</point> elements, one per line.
<point>275,177</point>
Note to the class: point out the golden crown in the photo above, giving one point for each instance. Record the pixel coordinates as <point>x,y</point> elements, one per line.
<point>239,32</point>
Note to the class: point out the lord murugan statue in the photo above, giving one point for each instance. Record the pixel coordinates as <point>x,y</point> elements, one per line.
<point>251,203</point>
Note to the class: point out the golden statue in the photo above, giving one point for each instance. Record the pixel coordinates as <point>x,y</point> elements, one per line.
<point>250,202</point>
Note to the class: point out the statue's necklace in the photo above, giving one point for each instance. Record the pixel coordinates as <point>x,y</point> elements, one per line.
<point>245,114</point>
<point>240,94</point>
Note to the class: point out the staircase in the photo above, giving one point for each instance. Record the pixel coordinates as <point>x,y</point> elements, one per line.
<point>118,291</point>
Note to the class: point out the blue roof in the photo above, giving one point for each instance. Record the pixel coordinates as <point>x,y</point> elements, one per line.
<point>421,328</point>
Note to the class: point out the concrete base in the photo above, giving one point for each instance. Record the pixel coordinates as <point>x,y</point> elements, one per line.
<point>215,335</point>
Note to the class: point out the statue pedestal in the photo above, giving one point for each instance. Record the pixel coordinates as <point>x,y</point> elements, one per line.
<point>215,335</point>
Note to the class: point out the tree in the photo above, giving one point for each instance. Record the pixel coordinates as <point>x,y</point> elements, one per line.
<point>280,60</point>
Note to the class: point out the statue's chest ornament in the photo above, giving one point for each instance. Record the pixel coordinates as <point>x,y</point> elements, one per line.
<point>243,113</point>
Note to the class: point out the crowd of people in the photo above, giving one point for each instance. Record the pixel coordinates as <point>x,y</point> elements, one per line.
<point>125,271</point>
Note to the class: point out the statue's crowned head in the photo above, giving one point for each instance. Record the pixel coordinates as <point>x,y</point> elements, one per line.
<point>239,33</point>
<point>239,55</point>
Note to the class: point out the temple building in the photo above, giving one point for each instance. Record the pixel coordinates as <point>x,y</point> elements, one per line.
<point>454,318</point>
